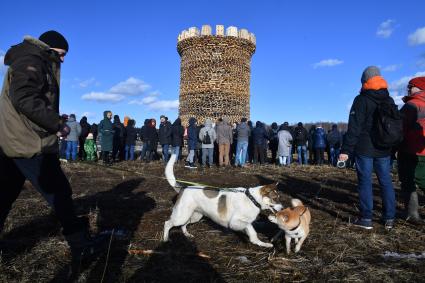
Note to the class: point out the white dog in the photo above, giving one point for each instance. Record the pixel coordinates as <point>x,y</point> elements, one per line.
<point>234,208</point>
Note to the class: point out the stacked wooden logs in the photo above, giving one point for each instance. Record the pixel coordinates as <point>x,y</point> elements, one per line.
<point>215,74</point>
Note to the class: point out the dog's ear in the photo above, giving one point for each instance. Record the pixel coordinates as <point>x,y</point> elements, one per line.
<point>300,210</point>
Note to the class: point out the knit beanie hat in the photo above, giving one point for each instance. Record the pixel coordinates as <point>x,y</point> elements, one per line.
<point>418,82</point>
<point>370,72</point>
<point>54,40</point>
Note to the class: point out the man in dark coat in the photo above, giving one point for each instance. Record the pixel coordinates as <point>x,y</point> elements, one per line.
<point>107,137</point>
<point>259,136</point>
<point>334,140</point>
<point>151,139</point>
<point>29,127</point>
<point>301,138</point>
<point>274,141</point>
<point>130,140</point>
<point>118,141</point>
<point>85,130</point>
<point>164,136</point>
<point>319,144</point>
<point>192,140</point>
<point>177,131</point>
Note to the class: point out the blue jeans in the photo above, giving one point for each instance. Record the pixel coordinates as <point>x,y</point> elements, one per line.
<point>165,148</point>
<point>176,150</point>
<point>210,153</point>
<point>302,154</point>
<point>241,153</point>
<point>365,166</point>
<point>129,152</point>
<point>334,153</point>
<point>71,149</point>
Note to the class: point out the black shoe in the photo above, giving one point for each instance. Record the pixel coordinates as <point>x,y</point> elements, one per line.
<point>187,164</point>
<point>389,224</point>
<point>363,223</point>
<point>192,166</point>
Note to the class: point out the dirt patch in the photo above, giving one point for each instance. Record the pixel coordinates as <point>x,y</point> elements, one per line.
<point>35,251</point>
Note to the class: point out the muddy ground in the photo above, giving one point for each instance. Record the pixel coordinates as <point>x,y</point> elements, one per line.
<point>35,251</point>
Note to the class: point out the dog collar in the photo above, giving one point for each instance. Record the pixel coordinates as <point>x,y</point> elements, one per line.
<point>298,226</point>
<point>254,201</point>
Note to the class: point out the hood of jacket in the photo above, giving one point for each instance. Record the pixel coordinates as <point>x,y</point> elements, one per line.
<point>208,123</point>
<point>243,125</point>
<point>258,124</point>
<point>71,119</point>
<point>419,95</point>
<point>30,46</point>
<point>177,122</point>
<point>192,121</point>
<point>105,114</point>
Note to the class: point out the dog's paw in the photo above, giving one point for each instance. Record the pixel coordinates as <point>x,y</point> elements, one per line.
<point>266,245</point>
<point>272,218</point>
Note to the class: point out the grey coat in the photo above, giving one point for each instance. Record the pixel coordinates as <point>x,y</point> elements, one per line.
<point>211,132</point>
<point>75,127</point>
<point>285,139</point>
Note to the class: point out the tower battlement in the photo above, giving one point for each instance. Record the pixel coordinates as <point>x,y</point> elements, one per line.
<point>206,30</point>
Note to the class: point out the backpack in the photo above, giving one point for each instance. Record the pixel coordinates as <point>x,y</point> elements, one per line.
<point>207,138</point>
<point>387,129</point>
<point>300,136</point>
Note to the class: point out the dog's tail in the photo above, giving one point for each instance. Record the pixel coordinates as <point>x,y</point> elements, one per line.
<point>169,173</point>
<point>296,202</point>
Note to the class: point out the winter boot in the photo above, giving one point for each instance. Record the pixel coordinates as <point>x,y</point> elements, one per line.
<point>411,205</point>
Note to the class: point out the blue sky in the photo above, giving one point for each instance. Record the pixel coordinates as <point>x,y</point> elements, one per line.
<point>307,65</point>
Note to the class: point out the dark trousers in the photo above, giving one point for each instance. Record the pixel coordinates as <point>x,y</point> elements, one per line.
<point>81,152</point>
<point>259,153</point>
<point>319,155</point>
<point>45,174</point>
<point>411,170</point>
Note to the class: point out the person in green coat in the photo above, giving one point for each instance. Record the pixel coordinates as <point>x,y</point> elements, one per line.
<point>90,148</point>
<point>107,136</point>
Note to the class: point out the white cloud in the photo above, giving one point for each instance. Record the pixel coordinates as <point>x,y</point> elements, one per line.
<point>86,83</point>
<point>418,37</point>
<point>154,103</point>
<point>385,29</point>
<point>398,87</point>
<point>164,105</point>
<point>103,97</point>
<point>327,63</point>
<point>132,86</point>
<point>391,68</point>
<point>421,62</point>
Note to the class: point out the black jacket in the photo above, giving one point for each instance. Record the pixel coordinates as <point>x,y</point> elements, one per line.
<point>357,139</point>
<point>165,133</point>
<point>300,136</point>
<point>177,133</point>
<point>131,134</point>
<point>85,128</point>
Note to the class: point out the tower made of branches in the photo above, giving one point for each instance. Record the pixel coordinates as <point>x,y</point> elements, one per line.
<point>215,73</point>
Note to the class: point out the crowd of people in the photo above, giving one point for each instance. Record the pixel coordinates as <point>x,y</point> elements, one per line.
<point>220,143</point>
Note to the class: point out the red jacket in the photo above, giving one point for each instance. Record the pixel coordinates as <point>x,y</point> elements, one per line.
<point>414,124</point>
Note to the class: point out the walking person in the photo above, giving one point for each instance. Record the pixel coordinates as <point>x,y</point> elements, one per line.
<point>72,138</point>
<point>243,132</point>
<point>29,128</point>
<point>192,140</point>
<point>224,140</point>
<point>370,158</point>
<point>208,136</point>
<point>164,135</point>
<point>411,153</point>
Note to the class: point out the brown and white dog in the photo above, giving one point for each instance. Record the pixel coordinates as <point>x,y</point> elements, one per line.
<point>234,208</point>
<point>295,221</point>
